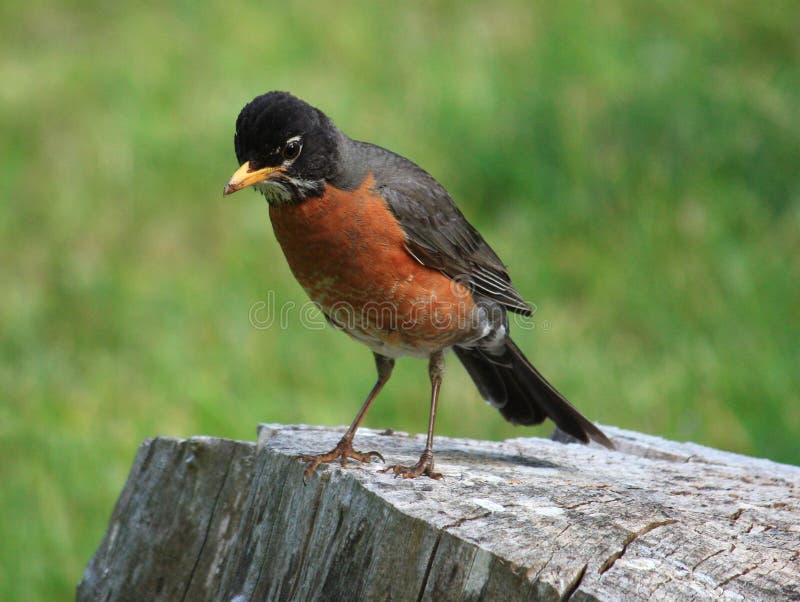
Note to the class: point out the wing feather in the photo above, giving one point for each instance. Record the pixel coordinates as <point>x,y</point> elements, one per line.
<point>438,234</point>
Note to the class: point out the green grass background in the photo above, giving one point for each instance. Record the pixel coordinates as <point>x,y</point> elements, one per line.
<point>636,164</point>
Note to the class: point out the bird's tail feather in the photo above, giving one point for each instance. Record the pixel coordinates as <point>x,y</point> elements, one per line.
<point>508,381</point>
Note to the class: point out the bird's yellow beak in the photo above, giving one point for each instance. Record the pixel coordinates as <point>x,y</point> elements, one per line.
<point>246,176</point>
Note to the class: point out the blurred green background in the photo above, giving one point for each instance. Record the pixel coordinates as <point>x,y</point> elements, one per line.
<point>636,164</point>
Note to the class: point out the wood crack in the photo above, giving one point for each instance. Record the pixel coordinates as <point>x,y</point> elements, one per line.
<point>208,526</point>
<point>429,567</point>
<point>312,524</point>
<point>710,556</point>
<point>535,577</point>
<point>574,584</point>
<point>264,469</point>
<point>737,575</point>
<point>609,562</point>
<point>465,519</point>
<point>592,501</point>
<point>735,516</point>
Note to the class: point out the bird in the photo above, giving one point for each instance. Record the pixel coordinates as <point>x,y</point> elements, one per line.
<point>382,249</point>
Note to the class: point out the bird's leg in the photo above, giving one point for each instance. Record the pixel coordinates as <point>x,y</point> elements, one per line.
<point>425,464</point>
<point>344,449</point>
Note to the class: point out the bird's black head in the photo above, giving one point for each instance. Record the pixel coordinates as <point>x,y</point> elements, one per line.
<point>286,148</point>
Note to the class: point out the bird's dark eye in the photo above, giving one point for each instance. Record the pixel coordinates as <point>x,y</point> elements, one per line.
<point>291,149</point>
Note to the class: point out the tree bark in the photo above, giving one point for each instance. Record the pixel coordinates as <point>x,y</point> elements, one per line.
<point>522,519</point>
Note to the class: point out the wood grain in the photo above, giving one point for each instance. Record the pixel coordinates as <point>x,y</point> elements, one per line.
<point>522,519</point>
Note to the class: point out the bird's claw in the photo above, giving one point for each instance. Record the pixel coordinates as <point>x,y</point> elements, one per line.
<point>342,451</point>
<point>423,467</point>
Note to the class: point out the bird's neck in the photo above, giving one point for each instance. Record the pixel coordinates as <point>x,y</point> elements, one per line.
<point>290,191</point>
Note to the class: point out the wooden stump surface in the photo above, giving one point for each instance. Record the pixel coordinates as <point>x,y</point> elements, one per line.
<point>522,519</point>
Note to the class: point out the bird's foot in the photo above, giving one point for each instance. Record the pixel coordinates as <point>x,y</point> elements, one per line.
<point>342,451</point>
<point>423,467</point>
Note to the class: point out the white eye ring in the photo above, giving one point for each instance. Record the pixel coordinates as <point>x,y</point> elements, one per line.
<point>291,149</point>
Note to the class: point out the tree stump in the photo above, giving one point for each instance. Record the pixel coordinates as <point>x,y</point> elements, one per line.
<point>522,519</point>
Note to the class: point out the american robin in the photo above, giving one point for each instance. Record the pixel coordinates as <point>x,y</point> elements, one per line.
<point>382,249</point>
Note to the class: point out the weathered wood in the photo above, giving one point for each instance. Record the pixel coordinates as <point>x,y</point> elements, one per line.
<point>523,519</point>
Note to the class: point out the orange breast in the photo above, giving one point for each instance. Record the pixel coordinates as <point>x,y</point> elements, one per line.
<point>348,252</point>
